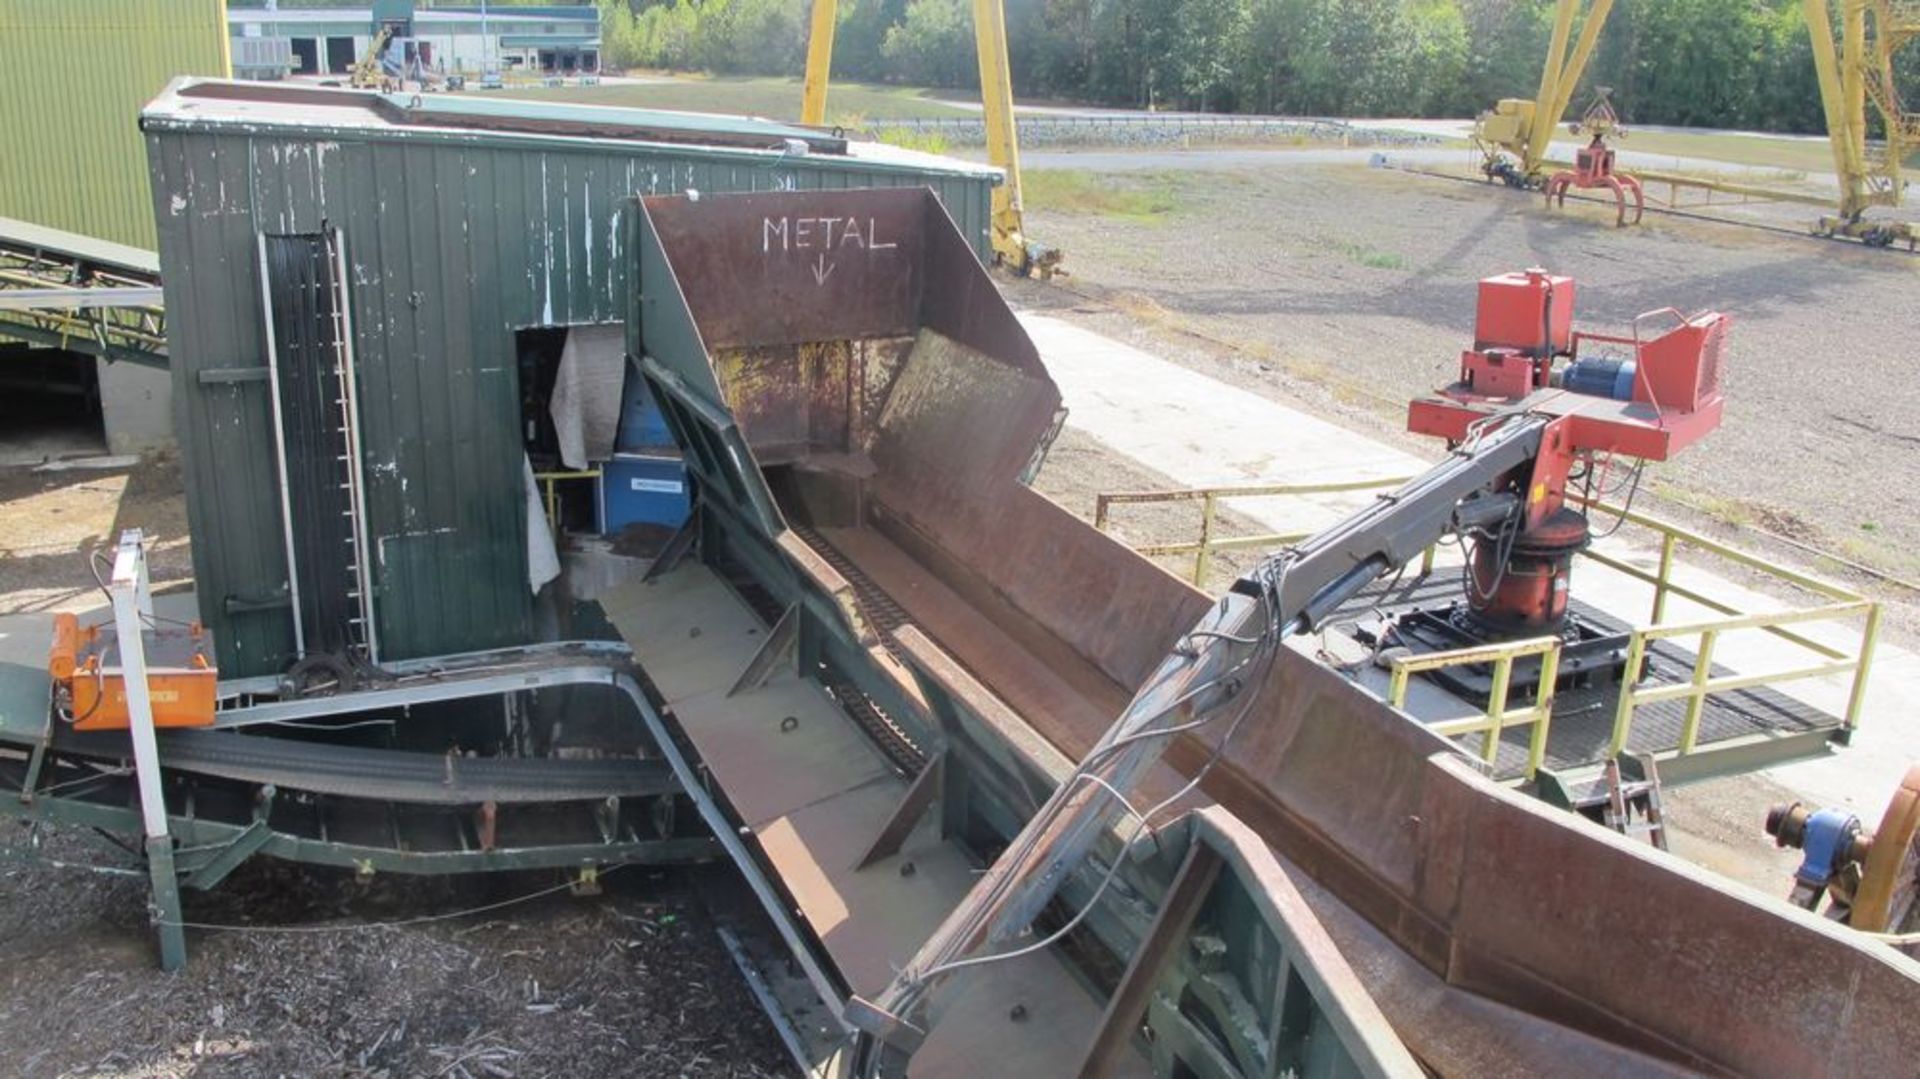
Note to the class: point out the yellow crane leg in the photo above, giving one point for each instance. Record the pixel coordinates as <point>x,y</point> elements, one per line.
<point>1003,143</point>
<point>1561,76</point>
<point>996,96</point>
<point>1847,163</point>
<point>1550,83</point>
<point>1853,70</point>
<point>813,103</point>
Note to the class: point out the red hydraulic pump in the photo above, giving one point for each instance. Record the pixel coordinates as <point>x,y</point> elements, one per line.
<point>1642,397</point>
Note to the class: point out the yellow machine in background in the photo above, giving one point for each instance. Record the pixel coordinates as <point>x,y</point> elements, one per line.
<point>1513,137</point>
<point>391,19</point>
<point>366,71</point>
<point>1010,241</point>
<point>1854,69</point>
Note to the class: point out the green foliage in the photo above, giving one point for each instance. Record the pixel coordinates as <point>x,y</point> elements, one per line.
<point>1716,63</point>
<point>927,142</point>
<point>932,44</point>
<point>745,37</point>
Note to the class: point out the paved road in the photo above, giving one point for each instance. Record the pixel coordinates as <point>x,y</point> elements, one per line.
<point>1286,157</point>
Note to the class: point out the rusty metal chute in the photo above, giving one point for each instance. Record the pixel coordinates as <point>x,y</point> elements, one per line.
<point>861,408</point>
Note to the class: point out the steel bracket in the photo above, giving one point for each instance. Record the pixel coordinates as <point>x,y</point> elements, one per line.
<point>208,866</point>
<point>773,651</point>
<point>921,794</point>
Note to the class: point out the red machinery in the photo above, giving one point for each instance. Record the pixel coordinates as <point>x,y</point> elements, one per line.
<point>1593,165</point>
<point>1640,397</point>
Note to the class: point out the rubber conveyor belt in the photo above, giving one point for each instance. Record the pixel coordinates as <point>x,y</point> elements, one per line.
<point>398,775</point>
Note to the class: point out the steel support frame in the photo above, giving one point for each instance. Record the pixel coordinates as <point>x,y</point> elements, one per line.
<point>132,595</point>
<point>206,841</point>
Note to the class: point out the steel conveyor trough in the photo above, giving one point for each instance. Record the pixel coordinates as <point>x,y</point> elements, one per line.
<point>884,650</point>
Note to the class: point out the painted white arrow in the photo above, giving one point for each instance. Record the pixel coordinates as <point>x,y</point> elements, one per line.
<point>822,269</point>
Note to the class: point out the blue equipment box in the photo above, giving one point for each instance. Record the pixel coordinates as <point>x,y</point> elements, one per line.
<point>643,489</point>
<point>643,428</point>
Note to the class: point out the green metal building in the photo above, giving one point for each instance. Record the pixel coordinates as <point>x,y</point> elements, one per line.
<point>73,76</point>
<point>455,223</point>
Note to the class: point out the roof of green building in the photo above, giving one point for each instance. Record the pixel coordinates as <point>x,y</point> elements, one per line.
<point>219,103</point>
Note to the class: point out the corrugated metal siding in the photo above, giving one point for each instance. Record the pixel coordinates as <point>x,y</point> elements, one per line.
<point>73,76</point>
<point>451,246</point>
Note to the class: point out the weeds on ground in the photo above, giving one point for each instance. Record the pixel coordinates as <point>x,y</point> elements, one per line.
<point>1729,511</point>
<point>927,142</point>
<point>1370,257</point>
<point>1147,199</point>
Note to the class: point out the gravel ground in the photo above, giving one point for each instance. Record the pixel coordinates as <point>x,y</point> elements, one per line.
<point>1352,289</point>
<point>631,983</point>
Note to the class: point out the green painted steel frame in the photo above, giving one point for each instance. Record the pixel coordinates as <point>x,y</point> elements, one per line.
<point>205,843</point>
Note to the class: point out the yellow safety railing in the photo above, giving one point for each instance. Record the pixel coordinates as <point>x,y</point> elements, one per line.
<point>1498,716</point>
<point>1210,499</point>
<point>549,482</point>
<point>1836,604</point>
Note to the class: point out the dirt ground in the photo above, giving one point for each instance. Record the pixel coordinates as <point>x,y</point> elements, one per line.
<point>52,521</point>
<point>1352,289</point>
<point>633,982</point>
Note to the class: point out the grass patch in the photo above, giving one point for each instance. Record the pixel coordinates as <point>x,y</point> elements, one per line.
<point>773,98</point>
<point>1143,199</point>
<point>1788,155</point>
<point>1877,552</point>
<point>1728,511</point>
<point>1370,257</point>
<point>927,142</point>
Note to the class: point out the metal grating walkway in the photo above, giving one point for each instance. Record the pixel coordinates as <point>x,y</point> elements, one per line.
<point>1583,717</point>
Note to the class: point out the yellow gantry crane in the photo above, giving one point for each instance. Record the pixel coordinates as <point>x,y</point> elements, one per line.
<point>1513,138</point>
<point>1010,242</point>
<point>1856,69</point>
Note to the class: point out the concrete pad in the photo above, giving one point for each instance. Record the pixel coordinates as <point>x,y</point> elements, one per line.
<point>1201,432</point>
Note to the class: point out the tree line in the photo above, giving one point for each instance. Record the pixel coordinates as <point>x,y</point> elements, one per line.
<point>1717,63</point>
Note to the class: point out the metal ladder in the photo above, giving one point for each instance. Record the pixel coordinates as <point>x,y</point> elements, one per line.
<point>1626,795</point>
<point>366,639</point>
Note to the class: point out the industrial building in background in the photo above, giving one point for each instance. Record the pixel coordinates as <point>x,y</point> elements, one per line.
<point>324,41</point>
<point>76,211</point>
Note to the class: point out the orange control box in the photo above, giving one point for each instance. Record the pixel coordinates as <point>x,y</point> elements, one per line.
<point>92,693</point>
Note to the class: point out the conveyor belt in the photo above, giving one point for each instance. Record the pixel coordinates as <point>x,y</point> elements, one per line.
<point>387,774</point>
<point>886,616</point>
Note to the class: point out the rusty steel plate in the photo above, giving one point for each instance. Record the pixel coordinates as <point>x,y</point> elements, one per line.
<point>790,267</point>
